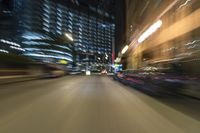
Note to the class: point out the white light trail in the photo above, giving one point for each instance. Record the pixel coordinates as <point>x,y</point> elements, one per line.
<point>49,56</point>
<point>17,48</point>
<point>4,51</point>
<point>150,31</point>
<point>186,2</point>
<point>9,42</point>
<point>69,36</point>
<point>124,49</point>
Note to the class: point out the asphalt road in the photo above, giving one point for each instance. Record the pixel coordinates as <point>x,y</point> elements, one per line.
<point>93,104</point>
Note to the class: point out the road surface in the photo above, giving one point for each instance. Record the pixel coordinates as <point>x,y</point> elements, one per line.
<point>93,104</point>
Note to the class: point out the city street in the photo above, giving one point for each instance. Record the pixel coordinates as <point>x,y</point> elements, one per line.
<point>92,104</point>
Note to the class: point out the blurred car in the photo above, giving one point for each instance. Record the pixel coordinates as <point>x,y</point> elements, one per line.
<point>178,78</point>
<point>153,80</point>
<point>141,79</point>
<point>120,76</point>
<point>104,72</point>
<point>52,72</point>
<point>117,76</point>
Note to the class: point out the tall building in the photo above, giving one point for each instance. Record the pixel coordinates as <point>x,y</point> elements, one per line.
<point>42,26</point>
<point>9,30</point>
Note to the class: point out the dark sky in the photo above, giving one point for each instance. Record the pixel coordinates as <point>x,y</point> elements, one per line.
<point>120,20</point>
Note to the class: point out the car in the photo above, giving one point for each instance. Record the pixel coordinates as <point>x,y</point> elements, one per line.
<point>104,72</point>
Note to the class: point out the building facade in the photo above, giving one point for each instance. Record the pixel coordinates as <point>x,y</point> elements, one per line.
<point>175,41</point>
<point>40,27</point>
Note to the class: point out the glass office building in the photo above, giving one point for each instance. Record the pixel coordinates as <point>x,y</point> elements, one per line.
<point>10,41</point>
<point>42,25</point>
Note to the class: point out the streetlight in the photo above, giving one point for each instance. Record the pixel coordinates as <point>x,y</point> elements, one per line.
<point>124,49</point>
<point>150,31</point>
<point>69,36</point>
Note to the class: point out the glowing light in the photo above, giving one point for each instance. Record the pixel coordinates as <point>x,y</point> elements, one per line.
<point>49,56</point>
<point>9,42</point>
<point>124,49</point>
<point>118,59</point>
<point>64,47</point>
<point>88,73</point>
<point>106,55</point>
<point>64,62</point>
<point>186,2</point>
<point>4,51</point>
<point>150,31</point>
<point>48,50</point>
<point>35,36</point>
<point>191,43</point>
<point>35,43</point>
<point>17,48</point>
<point>69,36</point>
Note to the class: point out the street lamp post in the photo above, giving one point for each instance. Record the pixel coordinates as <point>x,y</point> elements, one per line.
<point>69,36</point>
<point>124,49</point>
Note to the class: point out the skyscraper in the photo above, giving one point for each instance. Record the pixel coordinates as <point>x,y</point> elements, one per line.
<point>42,26</point>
